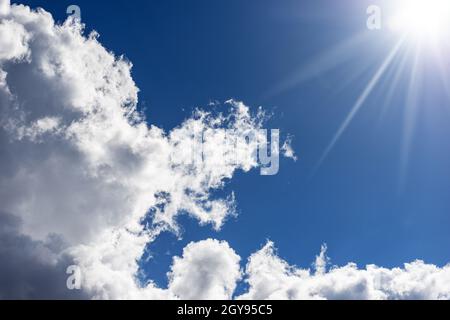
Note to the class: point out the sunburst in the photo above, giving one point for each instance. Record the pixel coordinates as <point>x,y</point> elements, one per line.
<point>422,29</point>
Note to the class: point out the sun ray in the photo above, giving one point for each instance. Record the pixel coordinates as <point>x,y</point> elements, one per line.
<point>443,68</point>
<point>361,99</point>
<point>320,64</point>
<point>393,85</point>
<point>410,118</point>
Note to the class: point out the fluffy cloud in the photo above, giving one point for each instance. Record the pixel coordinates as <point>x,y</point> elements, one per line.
<point>270,277</point>
<point>208,270</point>
<point>79,161</point>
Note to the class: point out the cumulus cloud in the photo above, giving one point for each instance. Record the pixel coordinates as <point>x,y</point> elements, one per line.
<point>80,162</point>
<point>270,277</point>
<point>207,270</point>
<point>210,269</point>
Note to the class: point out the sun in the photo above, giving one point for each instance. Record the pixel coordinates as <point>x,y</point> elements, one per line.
<point>422,19</point>
<point>421,45</point>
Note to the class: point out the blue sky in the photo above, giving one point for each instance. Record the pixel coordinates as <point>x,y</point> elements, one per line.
<point>188,53</point>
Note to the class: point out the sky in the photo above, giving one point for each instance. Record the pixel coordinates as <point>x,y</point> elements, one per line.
<point>378,196</point>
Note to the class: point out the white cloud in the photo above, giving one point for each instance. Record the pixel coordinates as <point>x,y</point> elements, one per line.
<point>270,277</point>
<point>79,161</point>
<point>207,270</point>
